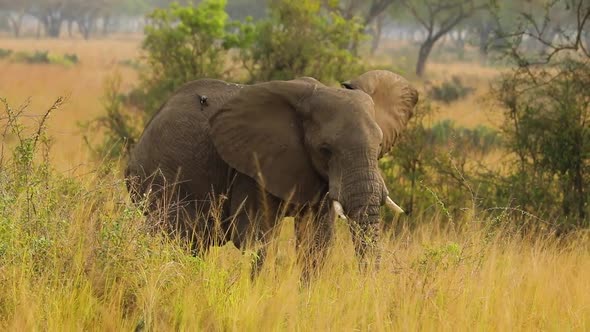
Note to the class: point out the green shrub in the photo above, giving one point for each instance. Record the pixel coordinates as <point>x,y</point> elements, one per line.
<point>440,257</point>
<point>44,57</point>
<point>65,60</point>
<point>31,58</point>
<point>450,91</point>
<point>480,140</point>
<point>120,127</point>
<point>546,128</point>
<point>5,53</point>
<point>131,63</point>
<point>299,39</point>
<point>182,44</point>
<point>432,168</point>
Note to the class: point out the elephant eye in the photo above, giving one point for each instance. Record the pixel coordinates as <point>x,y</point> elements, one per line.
<point>347,85</point>
<point>326,151</point>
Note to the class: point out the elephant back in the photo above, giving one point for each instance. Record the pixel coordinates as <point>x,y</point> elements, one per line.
<point>175,148</point>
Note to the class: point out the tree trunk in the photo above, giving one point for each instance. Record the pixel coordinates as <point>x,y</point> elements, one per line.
<point>54,29</point>
<point>485,30</point>
<point>16,23</point>
<point>85,27</point>
<point>70,23</point>
<point>52,26</point>
<point>38,32</point>
<point>423,55</point>
<point>377,34</point>
<point>106,21</point>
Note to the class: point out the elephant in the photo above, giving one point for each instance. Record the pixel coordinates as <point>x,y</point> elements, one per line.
<point>222,161</point>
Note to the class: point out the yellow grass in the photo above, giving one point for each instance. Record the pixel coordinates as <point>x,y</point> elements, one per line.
<point>85,262</point>
<point>98,270</point>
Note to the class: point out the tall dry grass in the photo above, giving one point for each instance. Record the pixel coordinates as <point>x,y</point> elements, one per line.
<point>76,255</point>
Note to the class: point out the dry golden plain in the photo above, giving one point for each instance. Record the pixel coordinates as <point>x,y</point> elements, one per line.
<point>81,84</point>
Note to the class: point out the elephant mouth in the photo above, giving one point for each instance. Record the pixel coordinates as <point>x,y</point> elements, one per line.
<point>339,209</point>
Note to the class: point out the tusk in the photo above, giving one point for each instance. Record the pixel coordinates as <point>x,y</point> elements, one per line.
<point>391,204</point>
<point>339,210</point>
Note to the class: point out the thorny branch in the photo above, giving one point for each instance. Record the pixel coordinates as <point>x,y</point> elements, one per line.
<point>568,39</point>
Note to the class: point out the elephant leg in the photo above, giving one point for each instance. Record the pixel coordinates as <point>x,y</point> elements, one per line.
<point>255,216</point>
<point>170,207</point>
<point>314,232</point>
<point>178,213</point>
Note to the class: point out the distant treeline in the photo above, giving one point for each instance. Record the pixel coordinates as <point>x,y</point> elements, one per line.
<point>480,24</point>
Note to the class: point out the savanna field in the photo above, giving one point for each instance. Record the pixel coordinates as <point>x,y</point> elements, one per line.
<point>75,253</point>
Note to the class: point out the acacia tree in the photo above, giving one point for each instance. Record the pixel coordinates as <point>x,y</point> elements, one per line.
<point>15,13</point>
<point>370,13</point>
<point>84,13</point>
<point>51,14</point>
<point>438,17</point>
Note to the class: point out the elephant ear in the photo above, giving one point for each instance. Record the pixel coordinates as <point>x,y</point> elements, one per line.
<point>394,98</point>
<point>259,133</point>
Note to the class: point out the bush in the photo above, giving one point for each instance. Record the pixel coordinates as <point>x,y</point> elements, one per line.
<point>480,140</point>
<point>5,53</point>
<point>546,128</point>
<point>182,44</point>
<point>120,128</point>
<point>132,63</point>
<point>299,39</point>
<point>65,60</point>
<point>31,58</point>
<point>450,91</point>
<point>44,57</point>
<point>433,167</point>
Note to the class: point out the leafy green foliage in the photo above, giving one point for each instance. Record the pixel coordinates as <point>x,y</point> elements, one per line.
<point>120,127</point>
<point>479,140</point>
<point>430,165</point>
<point>23,175</point>
<point>547,128</point>
<point>440,257</point>
<point>4,53</point>
<point>44,57</point>
<point>300,38</point>
<point>182,44</point>
<point>450,90</point>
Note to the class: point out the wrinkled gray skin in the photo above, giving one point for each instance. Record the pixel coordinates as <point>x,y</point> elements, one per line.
<point>222,161</point>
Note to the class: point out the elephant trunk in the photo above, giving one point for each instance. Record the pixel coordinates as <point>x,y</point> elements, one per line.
<point>361,193</point>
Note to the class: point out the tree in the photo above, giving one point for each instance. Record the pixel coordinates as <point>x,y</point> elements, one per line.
<point>15,13</point>
<point>51,14</point>
<point>182,44</point>
<point>546,102</point>
<point>85,13</point>
<point>371,15</point>
<point>438,17</point>
<point>299,39</point>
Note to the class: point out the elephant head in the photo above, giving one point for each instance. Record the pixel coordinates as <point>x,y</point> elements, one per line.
<point>300,140</point>
<point>394,100</point>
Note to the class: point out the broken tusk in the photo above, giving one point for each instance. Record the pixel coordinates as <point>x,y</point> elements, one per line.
<point>391,204</point>
<point>339,210</point>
